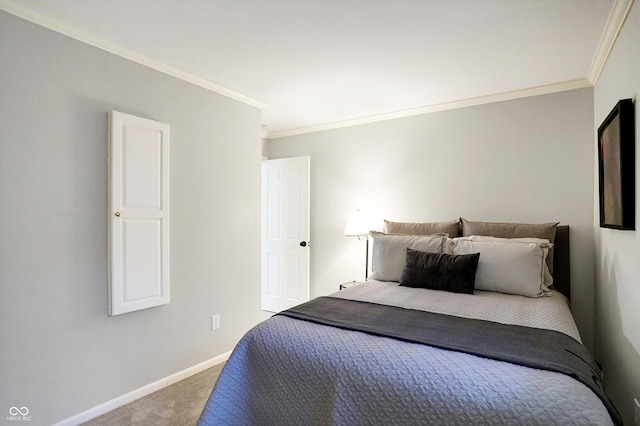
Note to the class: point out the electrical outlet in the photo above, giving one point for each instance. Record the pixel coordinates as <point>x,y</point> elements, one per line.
<point>637,411</point>
<point>215,322</point>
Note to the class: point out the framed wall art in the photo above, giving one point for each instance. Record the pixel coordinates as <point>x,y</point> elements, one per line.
<point>616,159</point>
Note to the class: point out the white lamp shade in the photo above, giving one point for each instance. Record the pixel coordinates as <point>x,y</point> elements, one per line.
<point>360,223</point>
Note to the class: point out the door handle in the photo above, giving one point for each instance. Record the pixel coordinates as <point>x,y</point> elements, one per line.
<point>304,244</point>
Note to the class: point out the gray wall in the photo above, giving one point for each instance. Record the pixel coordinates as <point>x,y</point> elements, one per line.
<point>527,160</point>
<point>61,354</point>
<point>617,252</point>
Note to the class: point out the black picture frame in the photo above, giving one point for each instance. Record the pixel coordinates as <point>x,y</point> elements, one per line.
<point>616,160</point>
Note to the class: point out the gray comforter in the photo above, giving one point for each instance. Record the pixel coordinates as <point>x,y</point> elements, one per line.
<point>287,371</point>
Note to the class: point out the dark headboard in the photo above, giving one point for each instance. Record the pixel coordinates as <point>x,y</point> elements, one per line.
<point>561,269</point>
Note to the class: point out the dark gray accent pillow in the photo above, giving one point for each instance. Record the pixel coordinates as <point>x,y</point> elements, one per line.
<point>440,271</point>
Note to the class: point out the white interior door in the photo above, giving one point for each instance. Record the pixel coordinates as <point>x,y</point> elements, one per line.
<point>139,213</point>
<point>285,233</point>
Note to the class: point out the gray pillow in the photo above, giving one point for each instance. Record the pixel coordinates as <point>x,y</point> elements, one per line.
<point>545,231</point>
<point>451,228</point>
<point>389,252</point>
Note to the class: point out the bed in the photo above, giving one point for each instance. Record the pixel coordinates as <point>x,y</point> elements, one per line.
<point>390,352</point>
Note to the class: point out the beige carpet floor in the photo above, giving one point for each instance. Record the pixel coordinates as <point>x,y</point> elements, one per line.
<point>176,405</point>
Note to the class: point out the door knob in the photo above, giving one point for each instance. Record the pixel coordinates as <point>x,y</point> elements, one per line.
<point>117,214</point>
<point>303,244</point>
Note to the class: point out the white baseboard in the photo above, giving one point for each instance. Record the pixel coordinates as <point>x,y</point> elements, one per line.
<point>101,409</point>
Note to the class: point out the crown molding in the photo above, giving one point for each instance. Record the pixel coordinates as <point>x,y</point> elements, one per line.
<point>498,97</point>
<point>617,17</point>
<point>14,8</point>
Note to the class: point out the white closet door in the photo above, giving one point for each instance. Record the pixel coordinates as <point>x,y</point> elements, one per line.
<point>139,213</point>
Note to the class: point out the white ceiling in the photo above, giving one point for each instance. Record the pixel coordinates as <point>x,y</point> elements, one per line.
<point>318,63</point>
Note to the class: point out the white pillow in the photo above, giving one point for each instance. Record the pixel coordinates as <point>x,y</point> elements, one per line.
<point>390,252</point>
<point>512,267</point>
<point>544,243</point>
